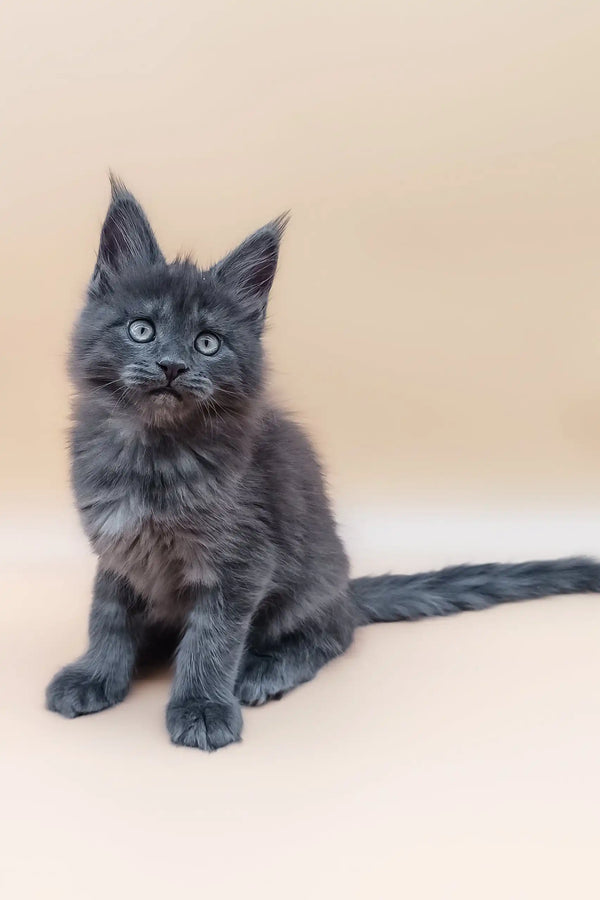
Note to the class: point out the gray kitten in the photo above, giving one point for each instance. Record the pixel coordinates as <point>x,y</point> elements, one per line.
<point>206,505</point>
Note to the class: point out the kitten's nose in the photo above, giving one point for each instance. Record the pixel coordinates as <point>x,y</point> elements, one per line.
<point>172,369</point>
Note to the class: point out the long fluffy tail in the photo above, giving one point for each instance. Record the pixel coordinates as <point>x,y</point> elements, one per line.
<point>393,598</point>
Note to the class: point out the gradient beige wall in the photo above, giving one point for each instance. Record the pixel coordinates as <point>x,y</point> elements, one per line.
<point>436,318</point>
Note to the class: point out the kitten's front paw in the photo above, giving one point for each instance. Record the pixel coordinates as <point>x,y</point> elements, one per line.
<point>199,723</point>
<point>75,692</point>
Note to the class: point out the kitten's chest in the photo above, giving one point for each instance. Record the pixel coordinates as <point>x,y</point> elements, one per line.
<point>160,558</point>
<point>152,520</point>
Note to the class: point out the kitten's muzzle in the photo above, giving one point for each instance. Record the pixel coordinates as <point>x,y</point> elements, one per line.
<point>172,370</point>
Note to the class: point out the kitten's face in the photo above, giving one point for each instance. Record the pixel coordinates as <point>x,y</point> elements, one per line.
<point>169,342</point>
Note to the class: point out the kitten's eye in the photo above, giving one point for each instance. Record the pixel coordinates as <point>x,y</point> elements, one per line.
<point>141,330</point>
<point>207,343</point>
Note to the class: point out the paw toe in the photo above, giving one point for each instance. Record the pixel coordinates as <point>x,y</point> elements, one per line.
<point>206,726</point>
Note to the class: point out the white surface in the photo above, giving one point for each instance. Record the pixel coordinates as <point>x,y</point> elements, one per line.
<point>405,538</point>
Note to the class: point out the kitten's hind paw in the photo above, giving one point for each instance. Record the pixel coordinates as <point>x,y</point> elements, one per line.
<point>208,726</point>
<point>261,679</point>
<point>75,692</point>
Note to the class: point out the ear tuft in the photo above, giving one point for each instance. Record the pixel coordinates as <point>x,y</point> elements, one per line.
<point>249,270</point>
<point>280,223</point>
<point>118,189</point>
<point>126,239</point>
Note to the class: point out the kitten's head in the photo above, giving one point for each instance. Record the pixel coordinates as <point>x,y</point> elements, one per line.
<point>168,341</point>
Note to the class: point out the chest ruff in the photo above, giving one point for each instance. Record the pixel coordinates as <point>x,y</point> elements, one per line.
<point>160,557</point>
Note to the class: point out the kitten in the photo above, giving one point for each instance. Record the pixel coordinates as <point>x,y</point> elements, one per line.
<point>206,505</point>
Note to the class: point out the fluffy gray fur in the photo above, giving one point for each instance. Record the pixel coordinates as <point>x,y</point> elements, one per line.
<point>206,505</point>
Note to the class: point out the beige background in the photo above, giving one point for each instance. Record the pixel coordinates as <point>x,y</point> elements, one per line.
<point>435,324</point>
<point>436,316</point>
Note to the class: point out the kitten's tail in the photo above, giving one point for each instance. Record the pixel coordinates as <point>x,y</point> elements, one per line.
<point>394,598</point>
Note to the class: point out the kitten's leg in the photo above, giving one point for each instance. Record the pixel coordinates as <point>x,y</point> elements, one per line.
<point>203,711</point>
<point>270,673</point>
<point>101,677</point>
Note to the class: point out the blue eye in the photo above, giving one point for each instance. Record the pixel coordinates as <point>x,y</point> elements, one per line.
<point>207,343</point>
<point>141,331</point>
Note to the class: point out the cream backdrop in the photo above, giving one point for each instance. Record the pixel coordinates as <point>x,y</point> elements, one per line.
<point>436,316</point>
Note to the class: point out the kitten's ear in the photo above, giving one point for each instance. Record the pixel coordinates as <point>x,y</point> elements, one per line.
<point>250,269</point>
<point>126,237</point>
